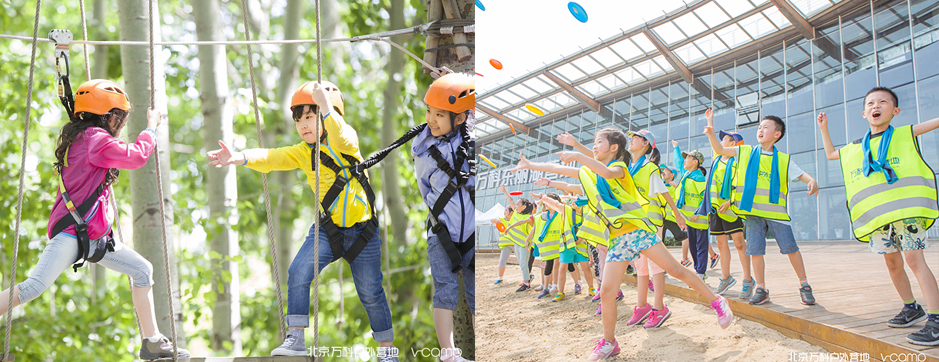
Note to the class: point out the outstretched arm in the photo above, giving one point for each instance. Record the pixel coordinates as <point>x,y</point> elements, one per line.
<point>830,150</point>
<point>524,163</point>
<point>568,139</point>
<point>573,188</point>
<point>594,165</point>
<point>924,127</point>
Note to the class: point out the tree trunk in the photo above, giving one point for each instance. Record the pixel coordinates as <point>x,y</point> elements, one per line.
<point>221,184</point>
<point>133,15</point>
<point>463,333</point>
<point>99,70</point>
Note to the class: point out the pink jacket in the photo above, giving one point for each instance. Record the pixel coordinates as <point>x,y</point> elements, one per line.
<point>89,158</point>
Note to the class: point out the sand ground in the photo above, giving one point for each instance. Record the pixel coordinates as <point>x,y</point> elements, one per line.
<point>518,327</point>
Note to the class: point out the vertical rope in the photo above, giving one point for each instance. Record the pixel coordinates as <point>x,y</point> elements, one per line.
<point>19,199</point>
<point>166,262</point>
<point>316,223</point>
<point>267,196</point>
<point>81,4</point>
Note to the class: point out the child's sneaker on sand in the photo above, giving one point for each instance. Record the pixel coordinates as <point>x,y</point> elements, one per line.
<point>657,317</point>
<point>639,314</point>
<point>604,350</point>
<point>685,262</point>
<point>577,288</point>
<point>724,314</point>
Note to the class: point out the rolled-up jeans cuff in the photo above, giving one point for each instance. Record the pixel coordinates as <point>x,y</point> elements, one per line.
<point>298,320</point>
<point>384,336</point>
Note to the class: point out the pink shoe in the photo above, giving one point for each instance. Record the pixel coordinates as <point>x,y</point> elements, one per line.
<point>604,350</point>
<point>599,308</point>
<point>657,317</point>
<point>724,315</point>
<point>619,296</point>
<point>596,297</point>
<point>639,314</point>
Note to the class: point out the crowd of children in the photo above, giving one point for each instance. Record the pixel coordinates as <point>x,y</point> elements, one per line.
<point>627,200</point>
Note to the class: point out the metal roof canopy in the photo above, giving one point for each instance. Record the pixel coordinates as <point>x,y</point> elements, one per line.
<point>651,53</point>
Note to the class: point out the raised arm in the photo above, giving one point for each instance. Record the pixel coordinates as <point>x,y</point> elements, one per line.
<point>594,165</point>
<point>712,138</point>
<point>572,188</point>
<point>568,139</point>
<point>524,163</point>
<point>509,197</point>
<point>924,127</point>
<point>679,161</point>
<point>552,204</point>
<point>830,150</point>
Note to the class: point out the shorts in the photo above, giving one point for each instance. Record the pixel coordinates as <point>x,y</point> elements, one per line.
<point>627,247</point>
<point>677,232</point>
<point>757,227</point>
<point>906,235</point>
<point>720,226</point>
<point>572,256</point>
<point>643,270</point>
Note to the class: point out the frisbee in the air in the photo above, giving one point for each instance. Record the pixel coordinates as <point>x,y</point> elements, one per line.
<point>480,5</point>
<point>500,226</point>
<point>534,109</point>
<point>495,64</point>
<point>512,128</point>
<point>516,193</point>
<point>578,11</point>
<point>487,161</point>
<point>478,74</point>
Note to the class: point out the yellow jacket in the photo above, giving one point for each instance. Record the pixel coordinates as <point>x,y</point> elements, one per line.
<point>351,206</point>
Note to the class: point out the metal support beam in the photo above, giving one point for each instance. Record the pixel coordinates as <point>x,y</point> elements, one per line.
<point>676,63</point>
<point>578,95</point>
<point>807,29</point>
<point>499,116</point>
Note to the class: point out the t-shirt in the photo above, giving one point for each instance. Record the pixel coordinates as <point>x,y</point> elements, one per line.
<point>656,185</point>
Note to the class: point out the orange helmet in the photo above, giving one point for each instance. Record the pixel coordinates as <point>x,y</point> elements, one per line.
<point>304,95</point>
<point>99,96</point>
<point>455,92</point>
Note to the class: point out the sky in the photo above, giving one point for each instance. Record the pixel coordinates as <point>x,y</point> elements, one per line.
<point>524,35</point>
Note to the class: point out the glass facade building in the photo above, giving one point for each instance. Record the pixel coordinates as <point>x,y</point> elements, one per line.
<point>885,43</point>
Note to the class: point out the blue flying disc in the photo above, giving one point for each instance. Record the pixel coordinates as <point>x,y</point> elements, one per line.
<point>480,5</point>
<point>578,11</point>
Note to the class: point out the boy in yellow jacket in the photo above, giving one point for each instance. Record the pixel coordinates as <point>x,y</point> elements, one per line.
<point>348,223</point>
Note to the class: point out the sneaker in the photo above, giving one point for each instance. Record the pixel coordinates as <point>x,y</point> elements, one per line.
<point>557,298</point>
<point>388,354</point>
<point>760,296</point>
<point>725,285</point>
<point>619,296</point>
<point>604,350</point>
<point>554,289</point>
<point>908,317</point>
<point>685,262</point>
<point>714,260</point>
<point>806,293</point>
<point>577,288</point>
<point>162,348</point>
<point>539,288</point>
<point>293,345</point>
<point>596,296</point>
<point>703,276</point>
<point>724,314</point>
<point>651,286</point>
<point>592,292</point>
<point>928,336</point>
<point>523,287</point>
<point>639,314</point>
<point>747,290</point>
<point>544,293</point>
<point>657,318</point>
<point>498,281</point>
<point>599,309</point>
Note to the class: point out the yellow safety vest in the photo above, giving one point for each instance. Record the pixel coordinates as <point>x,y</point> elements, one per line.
<point>518,234</point>
<point>694,191</point>
<point>568,236</point>
<point>618,221</point>
<point>549,248</point>
<point>872,202</point>
<point>761,202</point>
<point>505,240</point>
<point>730,215</point>
<point>653,207</point>
<point>673,192</point>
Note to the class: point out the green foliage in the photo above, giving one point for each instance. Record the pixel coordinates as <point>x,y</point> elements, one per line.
<point>106,329</point>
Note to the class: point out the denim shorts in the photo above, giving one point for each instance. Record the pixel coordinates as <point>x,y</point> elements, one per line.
<point>758,227</point>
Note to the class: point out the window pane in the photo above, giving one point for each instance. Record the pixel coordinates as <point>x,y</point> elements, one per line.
<point>829,88</point>
<point>804,212</point>
<point>798,76</point>
<point>858,50</point>
<point>640,111</point>
<point>835,225</point>
<point>800,130</point>
<point>829,172</point>
<point>894,50</point>
<point>929,105</point>
<point>836,125</point>
<point>724,109</point>
<point>772,83</point>
<point>926,36</point>
<point>700,103</point>
<point>678,111</point>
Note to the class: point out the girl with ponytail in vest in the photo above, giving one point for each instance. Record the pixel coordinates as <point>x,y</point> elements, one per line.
<point>612,193</point>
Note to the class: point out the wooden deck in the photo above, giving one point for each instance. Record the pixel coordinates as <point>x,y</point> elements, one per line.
<point>854,295</point>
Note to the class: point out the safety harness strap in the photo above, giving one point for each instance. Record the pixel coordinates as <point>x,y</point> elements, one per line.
<point>332,230</point>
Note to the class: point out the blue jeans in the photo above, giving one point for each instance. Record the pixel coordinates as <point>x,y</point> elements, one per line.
<point>757,228</point>
<point>366,273</point>
<point>446,284</point>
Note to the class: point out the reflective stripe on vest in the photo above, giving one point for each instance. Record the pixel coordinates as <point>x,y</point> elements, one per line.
<point>505,239</point>
<point>519,233</point>
<point>872,202</point>
<point>569,240</point>
<point>550,247</point>
<point>761,204</point>
<point>673,192</point>
<point>629,216</point>
<point>716,200</point>
<point>693,198</point>
<point>593,230</point>
<point>653,208</point>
